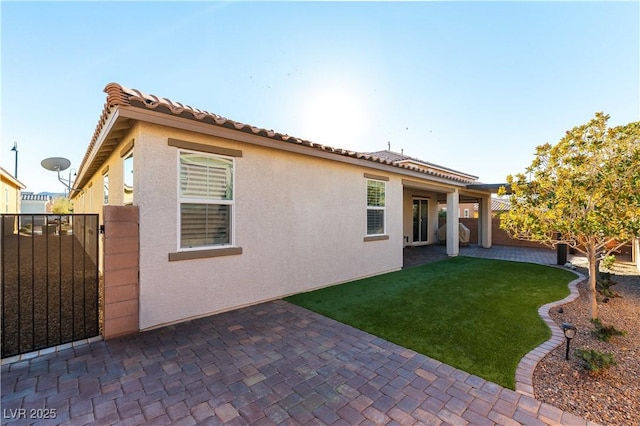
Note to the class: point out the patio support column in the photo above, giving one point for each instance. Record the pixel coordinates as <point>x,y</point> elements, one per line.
<point>453,218</point>
<point>485,222</point>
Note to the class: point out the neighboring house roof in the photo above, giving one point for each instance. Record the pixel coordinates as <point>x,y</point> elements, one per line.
<point>125,98</point>
<point>30,196</point>
<point>6,176</point>
<point>498,204</point>
<point>402,159</point>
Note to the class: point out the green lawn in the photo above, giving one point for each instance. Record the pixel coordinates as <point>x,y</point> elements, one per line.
<point>478,315</point>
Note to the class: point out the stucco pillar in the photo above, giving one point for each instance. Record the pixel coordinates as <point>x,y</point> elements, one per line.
<point>485,222</point>
<point>453,219</point>
<point>121,267</point>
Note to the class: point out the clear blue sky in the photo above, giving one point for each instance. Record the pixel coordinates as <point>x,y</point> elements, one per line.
<point>472,86</point>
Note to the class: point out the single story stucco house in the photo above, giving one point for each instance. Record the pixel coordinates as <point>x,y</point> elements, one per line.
<point>232,215</point>
<point>35,203</point>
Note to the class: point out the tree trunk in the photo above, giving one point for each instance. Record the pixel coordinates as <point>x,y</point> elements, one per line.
<point>591,291</point>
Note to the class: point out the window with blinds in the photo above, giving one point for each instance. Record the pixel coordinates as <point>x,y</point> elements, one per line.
<point>206,200</point>
<point>375,207</point>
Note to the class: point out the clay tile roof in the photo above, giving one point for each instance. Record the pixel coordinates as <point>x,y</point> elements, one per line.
<point>398,158</point>
<point>390,155</point>
<point>121,96</point>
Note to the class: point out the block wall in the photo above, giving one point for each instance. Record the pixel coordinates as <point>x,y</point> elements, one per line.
<point>121,279</point>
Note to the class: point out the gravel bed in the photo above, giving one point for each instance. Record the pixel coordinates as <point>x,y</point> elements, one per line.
<point>611,397</point>
<point>49,291</point>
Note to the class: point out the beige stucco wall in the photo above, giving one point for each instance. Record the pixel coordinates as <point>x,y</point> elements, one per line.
<point>299,220</point>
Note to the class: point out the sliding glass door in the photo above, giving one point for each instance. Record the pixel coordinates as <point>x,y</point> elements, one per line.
<point>420,220</point>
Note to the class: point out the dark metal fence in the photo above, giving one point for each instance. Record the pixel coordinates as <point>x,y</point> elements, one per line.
<point>49,280</point>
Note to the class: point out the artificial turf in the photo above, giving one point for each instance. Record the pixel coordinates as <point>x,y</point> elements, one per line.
<point>478,315</point>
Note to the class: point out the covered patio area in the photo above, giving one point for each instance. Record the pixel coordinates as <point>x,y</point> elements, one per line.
<point>421,215</point>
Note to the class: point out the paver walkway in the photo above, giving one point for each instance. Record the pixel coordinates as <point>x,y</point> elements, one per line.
<point>268,364</point>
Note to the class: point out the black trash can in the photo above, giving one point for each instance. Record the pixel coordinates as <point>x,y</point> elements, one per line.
<point>561,251</point>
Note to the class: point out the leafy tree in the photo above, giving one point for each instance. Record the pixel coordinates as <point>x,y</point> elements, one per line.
<point>62,205</point>
<point>583,192</point>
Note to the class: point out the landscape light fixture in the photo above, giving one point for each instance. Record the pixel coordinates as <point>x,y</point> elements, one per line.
<point>569,333</point>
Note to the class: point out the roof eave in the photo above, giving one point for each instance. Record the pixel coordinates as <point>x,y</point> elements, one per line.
<point>492,187</point>
<point>13,179</point>
<point>111,123</point>
<point>129,104</point>
<point>290,144</point>
<point>440,168</point>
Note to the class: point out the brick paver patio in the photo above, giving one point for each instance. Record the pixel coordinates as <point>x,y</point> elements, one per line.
<point>268,364</point>
<point>273,363</point>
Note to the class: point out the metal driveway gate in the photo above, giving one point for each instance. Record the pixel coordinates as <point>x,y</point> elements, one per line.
<point>49,280</point>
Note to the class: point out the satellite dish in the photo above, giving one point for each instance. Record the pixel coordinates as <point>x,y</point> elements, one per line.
<point>56,164</point>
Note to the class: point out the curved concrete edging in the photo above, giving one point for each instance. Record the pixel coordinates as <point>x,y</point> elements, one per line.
<point>528,363</point>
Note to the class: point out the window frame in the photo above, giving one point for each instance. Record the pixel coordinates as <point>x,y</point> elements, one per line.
<point>376,208</point>
<point>189,200</point>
